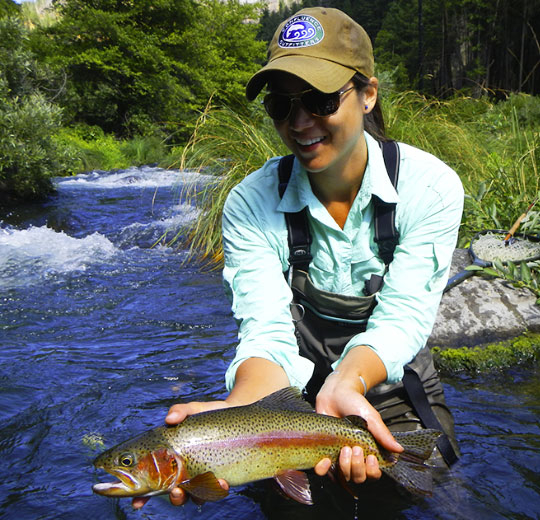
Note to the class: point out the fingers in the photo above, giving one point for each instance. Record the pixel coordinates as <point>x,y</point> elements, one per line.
<point>354,467</point>
<point>178,497</point>
<point>178,412</point>
<point>372,467</point>
<point>382,434</point>
<point>138,502</point>
<point>323,467</point>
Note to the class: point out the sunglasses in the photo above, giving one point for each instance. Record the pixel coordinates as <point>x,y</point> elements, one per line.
<point>279,106</point>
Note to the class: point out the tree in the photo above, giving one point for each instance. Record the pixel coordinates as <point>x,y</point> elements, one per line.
<point>8,8</point>
<point>480,45</point>
<point>134,67</point>
<point>220,51</point>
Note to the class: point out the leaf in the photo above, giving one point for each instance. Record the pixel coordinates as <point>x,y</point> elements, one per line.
<point>525,273</point>
<point>498,265</point>
<point>474,268</point>
<point>492,272</point>
<point>512,270</point>
<point>481,191</point>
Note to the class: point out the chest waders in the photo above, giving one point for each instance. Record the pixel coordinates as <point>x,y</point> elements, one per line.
<point>325,322</point>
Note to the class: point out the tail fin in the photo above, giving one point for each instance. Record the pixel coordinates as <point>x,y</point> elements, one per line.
<point>410,470</point>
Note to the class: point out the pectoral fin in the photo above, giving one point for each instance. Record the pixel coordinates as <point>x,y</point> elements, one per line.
<point>205,487</point>
<point>295,485</point>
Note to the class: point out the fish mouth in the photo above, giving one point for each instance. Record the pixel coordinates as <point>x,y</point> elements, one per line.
<point>126,486</point>
<point>135,484</point>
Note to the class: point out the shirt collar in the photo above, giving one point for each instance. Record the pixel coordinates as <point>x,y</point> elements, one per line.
<point>375,182</point>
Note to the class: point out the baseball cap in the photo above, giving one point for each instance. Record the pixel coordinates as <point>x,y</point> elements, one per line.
<point>323,46</point>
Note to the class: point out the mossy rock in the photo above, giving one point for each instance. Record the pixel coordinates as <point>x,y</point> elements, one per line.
<point>489,357</point>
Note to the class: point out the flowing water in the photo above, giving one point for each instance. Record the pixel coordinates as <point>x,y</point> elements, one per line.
<point>103,327</point>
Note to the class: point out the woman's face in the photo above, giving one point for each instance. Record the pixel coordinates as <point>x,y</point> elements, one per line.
<point>325,143</point>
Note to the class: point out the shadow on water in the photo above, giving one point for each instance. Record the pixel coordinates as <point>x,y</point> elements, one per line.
<point>100,334</point>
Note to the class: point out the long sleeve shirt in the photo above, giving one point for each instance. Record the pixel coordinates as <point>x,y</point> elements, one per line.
<point>429,201</point>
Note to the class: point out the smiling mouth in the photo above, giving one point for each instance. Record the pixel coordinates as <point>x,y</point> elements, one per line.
<point>309,142</point>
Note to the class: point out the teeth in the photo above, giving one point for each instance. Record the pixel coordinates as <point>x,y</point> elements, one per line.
<point>308,142</point>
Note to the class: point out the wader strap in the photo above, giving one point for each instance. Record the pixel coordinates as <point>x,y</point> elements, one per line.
<point>417,394</point>
<point>299,235</point>
<point>386,234</point>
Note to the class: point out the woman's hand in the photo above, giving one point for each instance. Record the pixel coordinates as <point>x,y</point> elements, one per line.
<point>177,413</point>
<point>341,395</point>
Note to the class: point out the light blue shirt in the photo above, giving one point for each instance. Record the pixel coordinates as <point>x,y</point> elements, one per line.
<point>428,215</point>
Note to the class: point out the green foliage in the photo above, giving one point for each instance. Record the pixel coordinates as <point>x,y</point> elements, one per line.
<point>489,358</point>
<point>519,274</point>
<point>8,8</point>
<point>221,51</point>
<point>91,149</point>
<point>38,13</point>
<point>28,154</point>
<point>133,65</point>
<point>494,151</point>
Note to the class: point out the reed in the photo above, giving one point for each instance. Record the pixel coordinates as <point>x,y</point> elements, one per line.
<point>229,146</point>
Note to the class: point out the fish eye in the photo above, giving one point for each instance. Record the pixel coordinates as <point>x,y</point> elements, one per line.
<point>126,460</point>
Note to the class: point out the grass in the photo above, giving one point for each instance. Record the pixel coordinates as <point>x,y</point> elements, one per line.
<point>494,148</point>
<point>230,146</point>
<point>89,148</point>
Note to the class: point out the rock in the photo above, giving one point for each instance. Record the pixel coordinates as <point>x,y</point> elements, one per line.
<point>482,310</point>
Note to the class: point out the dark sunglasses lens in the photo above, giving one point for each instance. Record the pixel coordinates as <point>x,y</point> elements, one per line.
<point>321,104</point>
<point>277,106</point>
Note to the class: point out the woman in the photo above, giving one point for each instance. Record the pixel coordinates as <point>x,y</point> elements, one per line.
<point>322,97</point>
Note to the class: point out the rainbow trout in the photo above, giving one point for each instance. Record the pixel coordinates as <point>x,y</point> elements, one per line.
<point>275,437</point>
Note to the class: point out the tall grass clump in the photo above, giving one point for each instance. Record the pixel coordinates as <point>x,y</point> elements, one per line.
<point>229,146</point>
<point>493,146</point>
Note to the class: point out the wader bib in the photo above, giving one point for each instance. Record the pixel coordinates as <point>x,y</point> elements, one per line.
<point>325,322</point>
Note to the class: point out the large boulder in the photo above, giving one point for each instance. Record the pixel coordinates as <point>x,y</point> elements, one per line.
<point>482,309</point>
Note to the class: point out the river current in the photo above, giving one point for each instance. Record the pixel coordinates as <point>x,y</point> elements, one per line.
<point>103,326</point>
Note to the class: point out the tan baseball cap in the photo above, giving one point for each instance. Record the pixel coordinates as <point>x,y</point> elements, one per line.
<point>320,45</point>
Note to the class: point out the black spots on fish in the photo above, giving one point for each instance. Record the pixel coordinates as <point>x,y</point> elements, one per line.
<point>418,443</point>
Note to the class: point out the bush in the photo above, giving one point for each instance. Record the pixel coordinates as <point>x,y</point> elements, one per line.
<point>29,157</point>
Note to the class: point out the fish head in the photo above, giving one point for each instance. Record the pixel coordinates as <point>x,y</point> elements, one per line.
<point>142,468</point>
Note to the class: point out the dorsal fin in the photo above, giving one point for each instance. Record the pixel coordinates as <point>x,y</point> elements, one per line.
<point>358,421</point>
<point>289,398</point>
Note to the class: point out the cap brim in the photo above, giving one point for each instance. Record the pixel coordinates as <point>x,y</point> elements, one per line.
<point>323,75</point>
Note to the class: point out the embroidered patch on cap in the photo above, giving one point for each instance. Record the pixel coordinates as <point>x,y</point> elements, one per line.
<point>301,31</point>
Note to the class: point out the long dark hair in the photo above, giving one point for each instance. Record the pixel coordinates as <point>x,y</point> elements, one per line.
<point>374,121</point>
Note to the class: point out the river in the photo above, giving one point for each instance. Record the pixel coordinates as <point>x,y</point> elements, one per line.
<point>103,326</point>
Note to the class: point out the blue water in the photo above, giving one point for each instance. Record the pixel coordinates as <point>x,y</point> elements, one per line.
<point>100,333</point>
